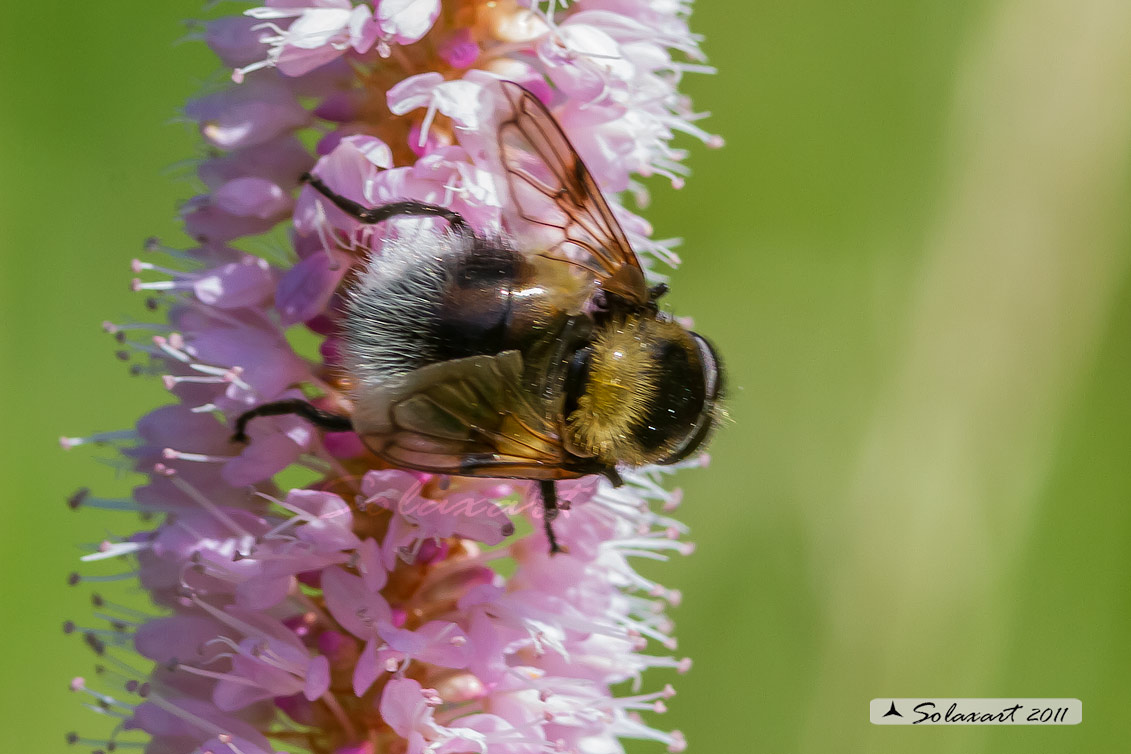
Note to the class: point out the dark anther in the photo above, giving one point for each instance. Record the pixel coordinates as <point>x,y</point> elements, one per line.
<point>76,498</point>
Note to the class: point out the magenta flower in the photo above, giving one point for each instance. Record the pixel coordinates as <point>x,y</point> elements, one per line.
<point>367,611</point>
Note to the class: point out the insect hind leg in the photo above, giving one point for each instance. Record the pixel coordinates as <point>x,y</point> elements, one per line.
<point>550,509</point>
<point>374,215</point>
<point>316,416</point>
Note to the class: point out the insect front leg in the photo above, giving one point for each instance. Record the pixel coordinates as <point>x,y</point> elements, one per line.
<point>374,215</point>
<point>316,416</point>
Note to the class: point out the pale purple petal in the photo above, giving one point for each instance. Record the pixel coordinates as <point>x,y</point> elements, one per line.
<point>317,678</point>
<point>261,460</point>
<point>252,197</point>
<point>357,609</point>
<point>406,21</point>
<point>305,289</point>
<point>236,285</point>
<point>368,668</point>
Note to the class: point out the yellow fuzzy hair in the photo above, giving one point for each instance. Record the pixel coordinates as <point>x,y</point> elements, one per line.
<point>622,385</point>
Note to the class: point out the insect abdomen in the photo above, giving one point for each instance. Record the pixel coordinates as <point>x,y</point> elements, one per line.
<point>433,299</point>
<point>475,310</point>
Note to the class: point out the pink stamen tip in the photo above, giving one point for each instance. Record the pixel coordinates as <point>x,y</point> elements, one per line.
<point>78,683</point>
<point>169,453</point>
<point>137,265</point>
<point>160,340</point>
<point>668,692</point>
<point>678,183</point>
<point>135,285</point>
<point>169,381</point>
<point>105,545</point>
<point>687,548</point>
<point>659,707</point>
<point>678,744</point>
<point>109,327</point>
<point>66,443</point>
<point>683,666</point>
<point>176,340</point>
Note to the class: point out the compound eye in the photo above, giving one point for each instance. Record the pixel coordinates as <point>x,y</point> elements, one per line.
<point>700,427</point>
<point>676,403</point>
<point>712,367</point>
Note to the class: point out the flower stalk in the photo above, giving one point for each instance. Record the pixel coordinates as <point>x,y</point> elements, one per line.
<point>375,609</point>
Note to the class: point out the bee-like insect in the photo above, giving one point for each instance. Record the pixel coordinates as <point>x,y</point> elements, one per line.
<point>471,356</point>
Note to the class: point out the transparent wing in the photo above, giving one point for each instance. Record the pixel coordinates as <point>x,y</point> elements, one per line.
<point>468,417</point>
<point>551,187</point>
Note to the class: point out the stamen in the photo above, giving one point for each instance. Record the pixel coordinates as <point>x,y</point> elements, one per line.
<point>137,284</point>
<point>76,578</point>
<point>194,494</point>
<point>340,715</point>
<point>107,549</point>
<point>111,743</point>
<point>164,343</point>
<point>139,266</point>
<point>210,728</point>
<point>98,438</point>
<point>177,455</point>
<point>217,676</point>
<point>78,684</point>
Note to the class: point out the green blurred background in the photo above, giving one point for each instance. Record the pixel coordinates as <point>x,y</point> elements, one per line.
<point>913,253</point>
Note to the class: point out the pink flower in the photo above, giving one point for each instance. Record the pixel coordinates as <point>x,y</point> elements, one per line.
<point>364,605</point>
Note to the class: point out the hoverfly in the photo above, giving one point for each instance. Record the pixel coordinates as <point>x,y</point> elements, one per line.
<point>471,355</point>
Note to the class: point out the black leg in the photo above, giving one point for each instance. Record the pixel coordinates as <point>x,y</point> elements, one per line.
<point>373,215</point>
<point>316,416</point>
<point>550,512</point>
<point>613,477</point>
